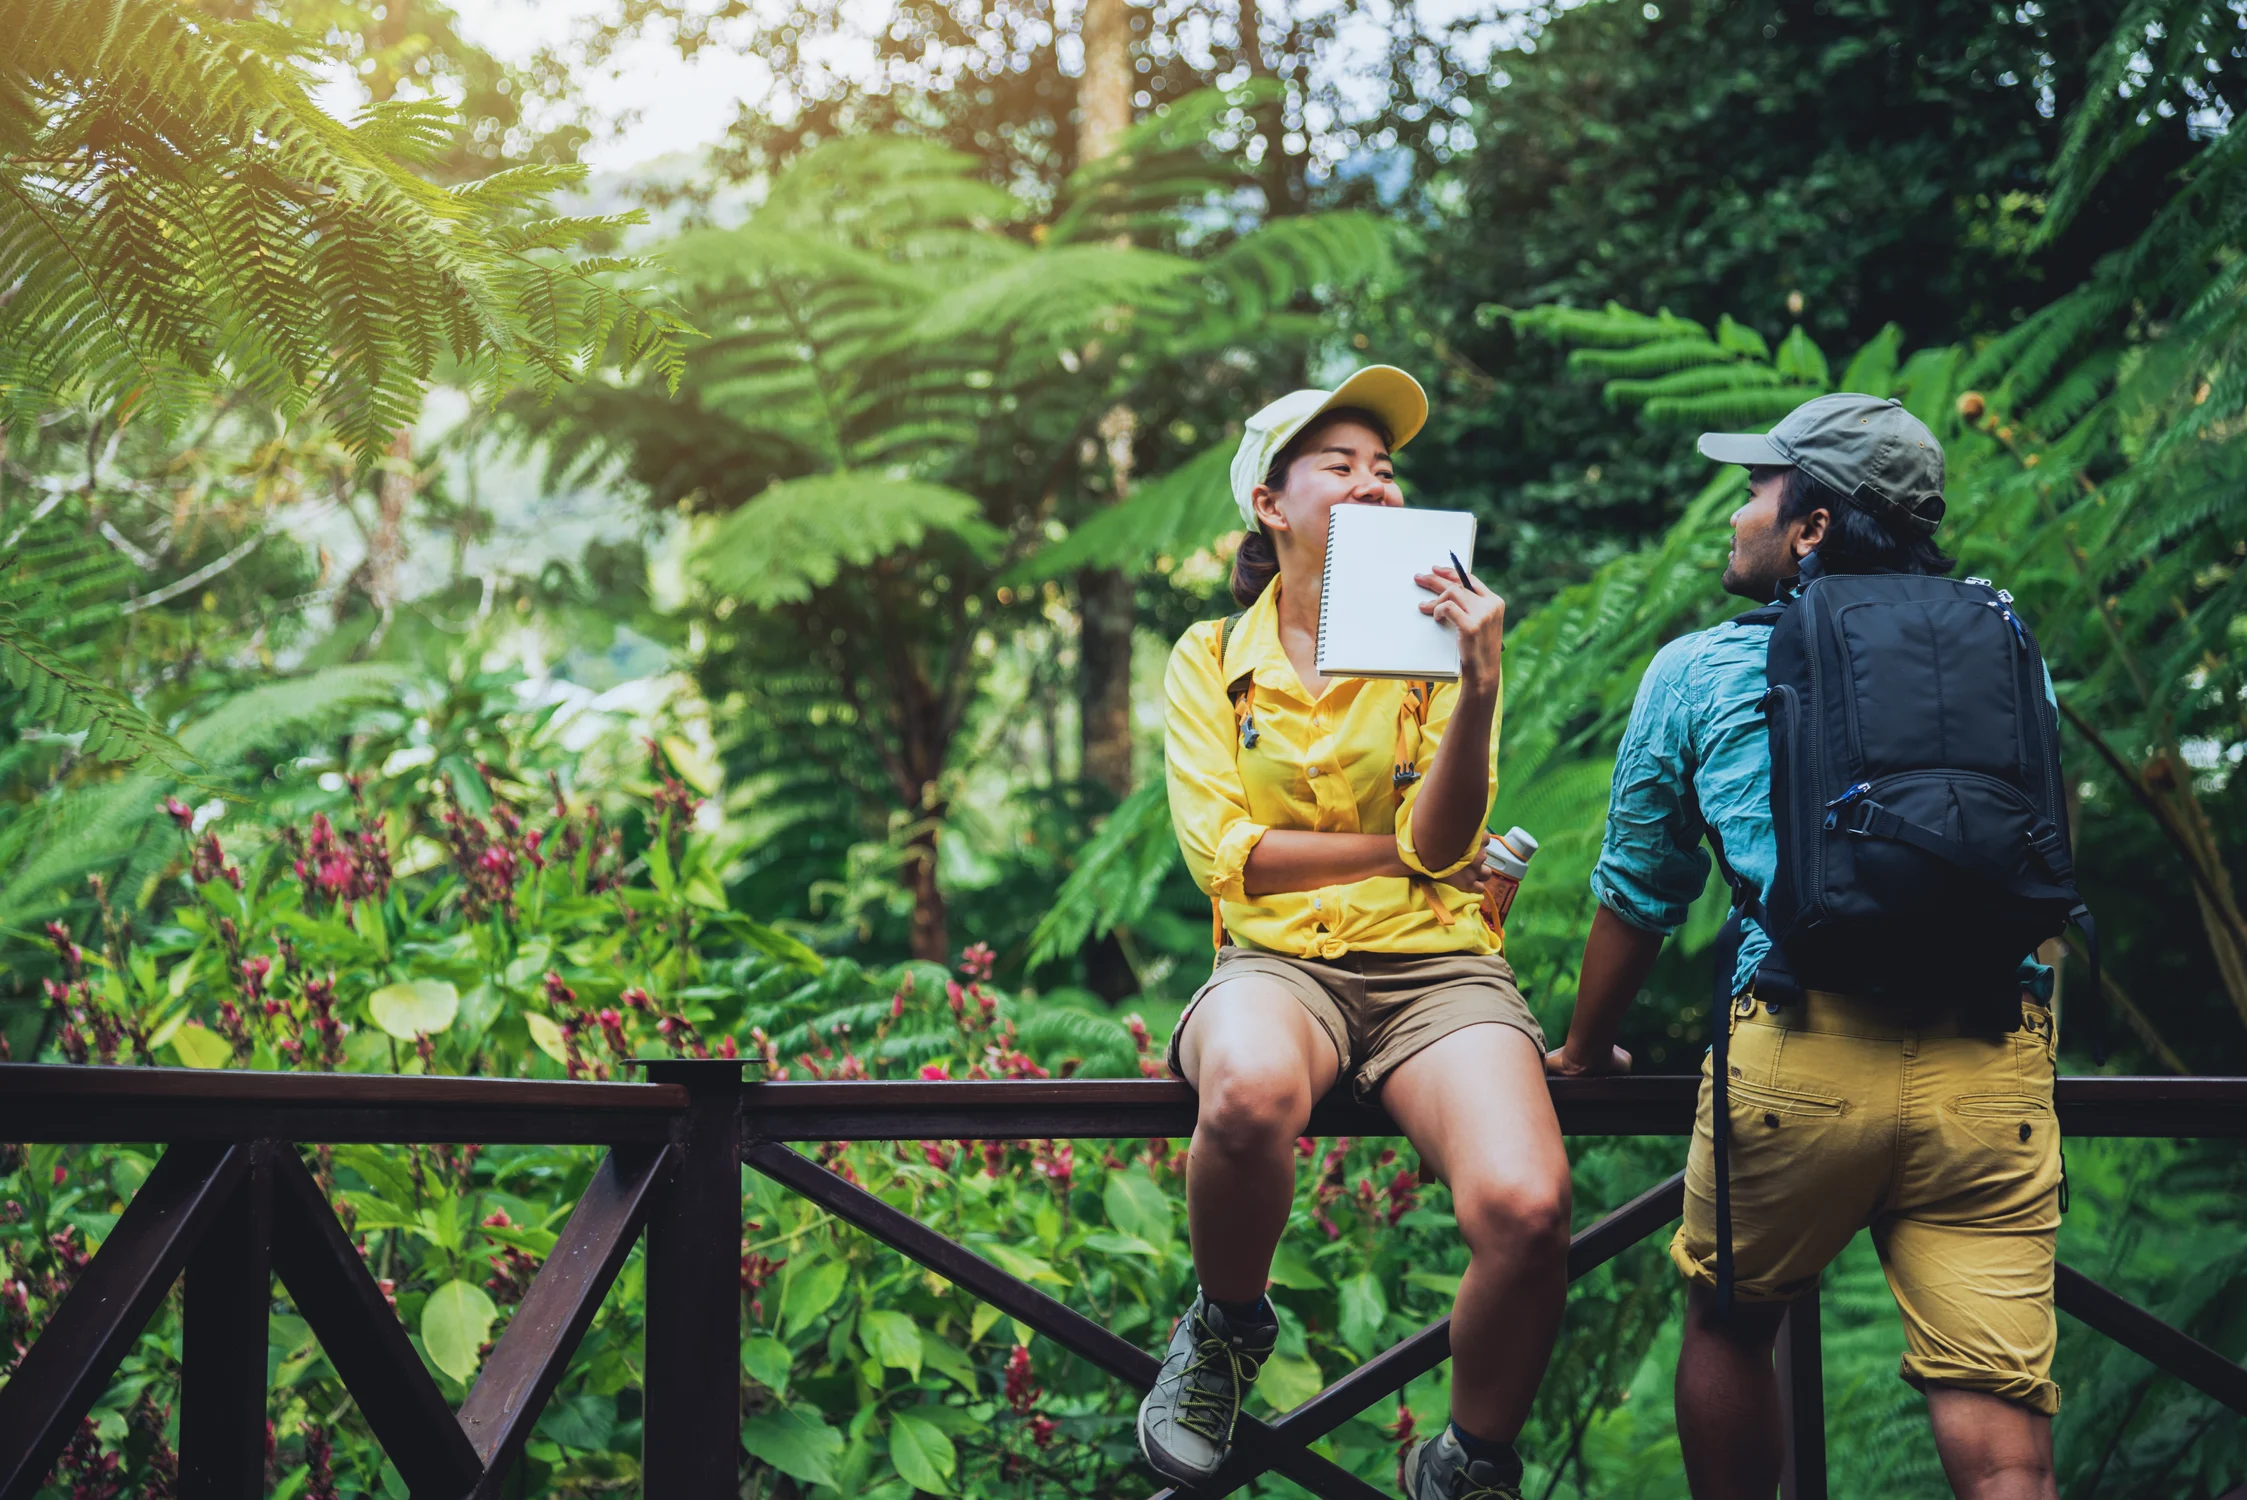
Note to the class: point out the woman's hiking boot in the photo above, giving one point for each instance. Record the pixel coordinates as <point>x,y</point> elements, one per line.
<point>1186,1423</point>
<point>1439,1469</point>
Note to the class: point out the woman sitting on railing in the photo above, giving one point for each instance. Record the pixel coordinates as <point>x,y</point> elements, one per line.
<point>1337,825</point>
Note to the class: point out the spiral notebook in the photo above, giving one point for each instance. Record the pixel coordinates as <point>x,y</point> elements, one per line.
<point>1370,623</point>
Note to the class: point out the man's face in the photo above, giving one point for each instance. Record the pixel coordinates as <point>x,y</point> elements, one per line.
<point>1766,552</point>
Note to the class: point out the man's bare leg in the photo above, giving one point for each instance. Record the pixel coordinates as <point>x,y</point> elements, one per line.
<point>1992,1448</point>
<point>1728,1399</point>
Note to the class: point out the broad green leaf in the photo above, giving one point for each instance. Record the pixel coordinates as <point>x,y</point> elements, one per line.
<point>1138,1207</point>
<point>1022,1266</point>
<point>699,767</point>
<point>892,1338</point>
<point>198,1046</point>
<point>1108,1242</point>
<point>384,1171</point>
<point>455,1321</point>
<point>409,1009</point>
<point>548,1036</point>
<point>767,1361</point>
<point>1434,1281</point>
<point>811,1291</point>
<point>947,1359</point>
<point>979,1322</point>
<point>1287,1383</point>
<point>1291,1268</point>
<point>922,1453</point>
<point>796,1440</point>
<point>1364,1309</point>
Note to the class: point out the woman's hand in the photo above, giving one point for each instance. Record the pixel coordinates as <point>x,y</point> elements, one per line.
<point>1470,876</point>
<point>1480,618</point>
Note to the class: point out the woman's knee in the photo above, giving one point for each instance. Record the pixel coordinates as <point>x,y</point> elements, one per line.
<point>1246,1104</point>
<point>1514,1214</point>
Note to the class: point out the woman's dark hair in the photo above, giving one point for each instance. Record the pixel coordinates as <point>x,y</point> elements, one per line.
<point>1257,562</point>
<point>1856,541</point>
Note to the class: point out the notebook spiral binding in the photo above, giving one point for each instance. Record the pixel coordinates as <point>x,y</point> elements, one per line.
<point>1326,589</point>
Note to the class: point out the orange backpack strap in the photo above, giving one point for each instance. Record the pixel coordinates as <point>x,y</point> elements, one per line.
<point>1412,711</point>
<point>1242,691</point>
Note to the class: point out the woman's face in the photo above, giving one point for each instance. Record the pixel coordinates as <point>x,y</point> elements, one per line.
<point>1341,462</point>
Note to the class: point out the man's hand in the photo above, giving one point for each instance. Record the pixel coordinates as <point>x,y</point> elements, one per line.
<point>1480,618</point>
<point>1560,1064</point>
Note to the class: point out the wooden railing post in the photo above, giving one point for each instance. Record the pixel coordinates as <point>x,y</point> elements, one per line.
<point>691,1444</point>
<point>228,1300</point>
<point>1802,1401</point>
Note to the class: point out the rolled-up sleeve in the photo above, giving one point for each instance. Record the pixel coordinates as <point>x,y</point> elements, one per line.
<point>1440,709</point>
<point>1651,864</point>
<point>1208,806</point>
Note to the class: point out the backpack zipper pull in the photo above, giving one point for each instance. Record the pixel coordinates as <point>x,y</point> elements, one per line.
<point>2004,606</point>
<point>1833,808</point>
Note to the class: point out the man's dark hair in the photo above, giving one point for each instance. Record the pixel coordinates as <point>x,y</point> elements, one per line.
<point>1856,542</point>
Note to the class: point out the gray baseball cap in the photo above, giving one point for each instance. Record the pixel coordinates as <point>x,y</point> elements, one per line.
<point>1871,452</point>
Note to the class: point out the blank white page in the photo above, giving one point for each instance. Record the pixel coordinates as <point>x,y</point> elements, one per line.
<point>1370,623</point>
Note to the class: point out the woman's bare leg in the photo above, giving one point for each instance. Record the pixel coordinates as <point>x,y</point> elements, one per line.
<point>1475,1106</point>
<point>1259,1062</point>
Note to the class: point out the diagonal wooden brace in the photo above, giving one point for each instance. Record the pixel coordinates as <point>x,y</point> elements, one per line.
<point>67,1368</point>
<point>519,1377</point>
<point>364,1340</point>
<point>1393,1369</point>
<point>1057,1321</point>
<point>2170,1349</point>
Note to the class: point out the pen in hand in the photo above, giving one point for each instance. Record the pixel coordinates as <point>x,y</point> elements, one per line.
<point>1461,569</point>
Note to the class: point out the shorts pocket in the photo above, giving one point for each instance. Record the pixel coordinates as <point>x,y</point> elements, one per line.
<point>2001,1106</point>
<point>1774,1100</point>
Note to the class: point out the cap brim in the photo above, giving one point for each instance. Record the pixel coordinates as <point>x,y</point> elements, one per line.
<point>1387,392</point>
<point>1751,448</point>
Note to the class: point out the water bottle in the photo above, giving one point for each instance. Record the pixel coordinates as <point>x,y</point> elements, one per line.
<point>1505,860</point>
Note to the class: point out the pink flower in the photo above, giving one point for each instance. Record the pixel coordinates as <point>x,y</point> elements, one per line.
<point>978,961</point>
<point>182,816</point>
<point>937,1072</point>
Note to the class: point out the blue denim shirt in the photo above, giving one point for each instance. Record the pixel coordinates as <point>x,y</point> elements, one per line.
<point>1695,732</point>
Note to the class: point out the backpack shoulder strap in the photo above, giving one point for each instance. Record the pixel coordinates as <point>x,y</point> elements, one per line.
<point>1412,711</point>
<point>1240,688</point>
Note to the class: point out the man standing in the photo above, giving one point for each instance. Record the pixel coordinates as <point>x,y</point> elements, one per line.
<point>1919,1110</point>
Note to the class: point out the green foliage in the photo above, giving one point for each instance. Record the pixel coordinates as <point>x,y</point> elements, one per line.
<point>178,212</point>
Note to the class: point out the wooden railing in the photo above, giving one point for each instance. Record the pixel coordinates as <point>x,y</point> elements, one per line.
<point>230,1205</point>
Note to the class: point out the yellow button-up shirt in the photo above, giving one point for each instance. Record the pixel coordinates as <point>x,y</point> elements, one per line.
<point>1322,765</point>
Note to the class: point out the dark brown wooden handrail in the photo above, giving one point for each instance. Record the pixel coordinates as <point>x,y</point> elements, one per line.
<point>53,1102</point>
<point>232,1206</point>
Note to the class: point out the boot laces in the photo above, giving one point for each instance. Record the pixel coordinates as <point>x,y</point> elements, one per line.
<point>1210,1402</point>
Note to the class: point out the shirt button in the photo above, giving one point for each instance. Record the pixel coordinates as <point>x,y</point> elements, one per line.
<point>1311,771</point>
<point>1318,903</point>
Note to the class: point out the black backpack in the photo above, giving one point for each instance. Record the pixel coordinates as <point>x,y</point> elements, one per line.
<point>1916,795</point>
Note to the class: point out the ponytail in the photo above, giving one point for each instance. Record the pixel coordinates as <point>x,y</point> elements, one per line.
<point>1255,565</point>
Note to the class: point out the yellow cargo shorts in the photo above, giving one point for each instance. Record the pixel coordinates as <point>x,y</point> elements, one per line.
<point>1944,1145</point>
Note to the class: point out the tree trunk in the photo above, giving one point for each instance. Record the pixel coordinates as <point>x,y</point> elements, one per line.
<point>1104,604</point>
<point>930,936</point>
<point>1104,94</point>
<point>1104,595</point>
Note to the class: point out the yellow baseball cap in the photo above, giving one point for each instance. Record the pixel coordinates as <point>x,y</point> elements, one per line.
<point>1384,390</point>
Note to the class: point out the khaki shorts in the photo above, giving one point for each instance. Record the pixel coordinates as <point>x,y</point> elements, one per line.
<point>1380,1008</point>
<point>1944,1145</point>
